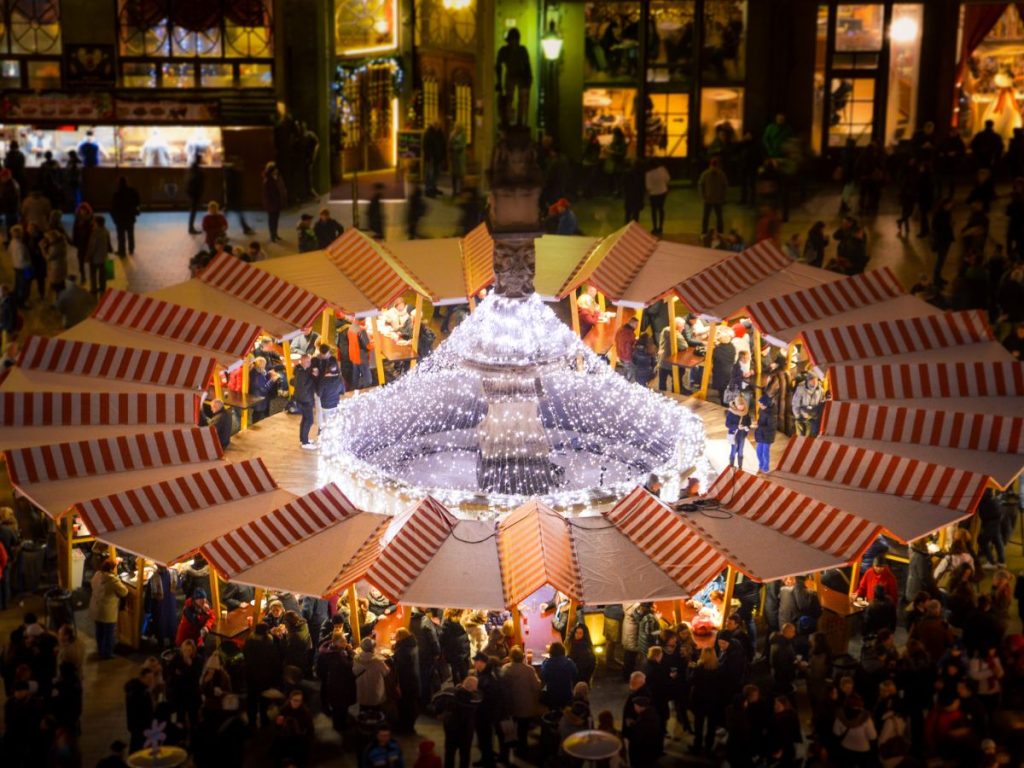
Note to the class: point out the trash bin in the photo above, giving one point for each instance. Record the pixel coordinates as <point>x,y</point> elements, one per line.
<point>59,608</point>
<point>77,567</point>
<point>31,556</point>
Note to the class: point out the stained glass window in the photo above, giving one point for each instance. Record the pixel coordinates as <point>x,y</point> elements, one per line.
<point>30,34</point>
<point>447,24</point>
<point>365,26</point>
<point>196,43</point>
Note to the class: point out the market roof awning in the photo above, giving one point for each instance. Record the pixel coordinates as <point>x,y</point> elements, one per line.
<point>983,443</point>
<point>377,272</point>
<point>558,258</point>
<point>973,387</point>
<point>908,497</point>
<point>867,297</point>
<point>929,339</point>
<point>57,476</point>
<point>478,259</point>
<point>131,319</point>
<point>439,262</point>
<point>536,550</point>
<point>169,520</point>
<point>669,264</point>
<point>614,262</point>
<point>60,365</point>
<point>301,546</point>
<point>35,418</point>
<point>725,289</point>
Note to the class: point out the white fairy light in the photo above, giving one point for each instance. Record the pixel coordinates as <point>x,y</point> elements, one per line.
<point>511,406</point>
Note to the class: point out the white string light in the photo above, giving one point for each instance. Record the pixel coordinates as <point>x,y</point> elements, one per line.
<point>511,406</point>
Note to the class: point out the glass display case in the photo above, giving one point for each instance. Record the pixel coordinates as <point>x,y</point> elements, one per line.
<point>36,142</point>
<point>148,146</point>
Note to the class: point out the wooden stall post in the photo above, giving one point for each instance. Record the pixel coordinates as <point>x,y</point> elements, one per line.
<point>257,604</point>
<point>65,538</point>
<point>854,577</point>
<point>600,302</point>
<point>789,355</point>
<point>244,422</point>
<point>709,353</point>
<point>570,623</point>
<point>517,623</point>
<point>325,326</point>
<point>471,300</point>
<point>215,594</point>
<point>677,609</point>
<point>140,589</point>
<point>575,311</point>
<point>730,587</point>
<point>378,349</point>
<point>353,614</point>
<point>620,318</point>
<point>218,385</point>
<point>673,344</point>
<point>639,322</point>
<point>417,323</point>
<point>286,351</point>
<point>757,372</point>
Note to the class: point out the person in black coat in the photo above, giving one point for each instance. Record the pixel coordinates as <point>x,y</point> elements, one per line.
<point>329,384</point>
<point>426,630</point>
<point>456,708</point>
<point>138,700</point>
<point>454,644</point>
<point>782,657</point>
<point>195,183</point>
<point>407,670</point>
<point>304,384</point>
<point>645,734</point>
<point>66,704</point>
<point>633,190</point>
<point>581,651</point>
<point>880,613</point>
<point>337,680</point>
<point>262,671</point>
<point>733,664</point>
<point>124,210</point>
<point>764,433</point>
<point>491,709</point>
<point>722,360</point>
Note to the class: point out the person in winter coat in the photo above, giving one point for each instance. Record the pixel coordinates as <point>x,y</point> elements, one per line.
<point>457,157</point>
<point>327,229</point>
<point>855,731</point>
<point>919,572</point>
<point>262,672</point>
<point>294,733</point>
<point>644,734</point>
<point>491,710</point>
<point>648,630</point>
<point>55,249</point>
<point>807,402</point>
<point>96,254</point>
<point>107,591</point>
<point>880,613</point>
<point>196,619</point>
<point>878,574</point>
<point>383,751</point>
<point>522,689</point>
<point>457,710</point>
<point>426,630</point>
<point>124,210</point>
<point>139,699</point>
<point>81,230</point>
<point>632,615</point>
<point>304,391</point>
<point>559,675</point>
<point>581,651</point>
<point>10,202</point>
<point>275,195</point>
<point>713,186</point>
<point>737,424</point>
<point>407,671</point>
<point>454,642</point>
<point>764,433</point>
<point>782,657</point>
<point>296,644</point>
<point>371,672</point>
<point>933,632</point>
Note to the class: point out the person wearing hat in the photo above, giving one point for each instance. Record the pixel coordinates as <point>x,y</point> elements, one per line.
<point>567,223</point>
<point>107,591</point>
<point>879,574</point>
<point>371,672</point>
<point>644,734</point>
<point>737,423</point>
<point>196,619</point>
<point>456,708</point>
<point>808,399</point>
<point>491,710</point>
<point>764,433</point>
<point>306,234</point>
<point>425,757</point>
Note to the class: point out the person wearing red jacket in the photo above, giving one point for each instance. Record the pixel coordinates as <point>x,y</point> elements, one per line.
<point>878,575</point>
<point>196,619</point>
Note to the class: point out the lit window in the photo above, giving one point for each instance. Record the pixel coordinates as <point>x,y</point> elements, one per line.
<point>365,26</point>
<point>431,108</point>
<point>34,26</point>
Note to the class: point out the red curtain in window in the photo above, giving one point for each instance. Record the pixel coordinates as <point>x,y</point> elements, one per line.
<point>144,14</point>
<point>196,15</point>
<point>978,22</point>
<point>248,13</point>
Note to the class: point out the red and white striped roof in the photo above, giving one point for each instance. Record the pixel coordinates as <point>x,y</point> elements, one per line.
<point>64,461</point>
<point>781,317</point>
<point>80,358</point>
<point>294,306</point>
<point>796,516</point>
<point>229,338</point>
<point>939,428</point>
<point>360,563</point>
<point>284,527</point>
<point>689,558</point>
<point>478,259</point>
<point>888,338</point>
<point>376,272</point>
<point>927,380</point>
<point>615,262</point>
<point>910,498</point>
<point>832,462</point>
<point>180,496</point>
<point>415,537</point>
<point>535,547</point>
<point>73,409</point>
<point>709,288</point>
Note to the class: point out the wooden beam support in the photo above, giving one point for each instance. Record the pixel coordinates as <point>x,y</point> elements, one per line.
<point>673,343</point>
<point>570,623</point>
<point>620,319</point>
<point>417,323</point>
<point>244,421</point>
<point>757,371</point>
<point>378,349</point>
<point>353,614</point>
<point>575,311</point>
<point>709,355</point>
<point>286,352</point>
<point>218,385</point>
<point>854,577</point>
<point>140,589</point>
<point>730,587</point>
<point>215,594</point>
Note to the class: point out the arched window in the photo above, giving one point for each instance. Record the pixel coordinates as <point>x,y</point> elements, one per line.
<point>196,43</point>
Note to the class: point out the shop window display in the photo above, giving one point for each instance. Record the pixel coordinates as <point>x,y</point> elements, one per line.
<point>904,66</point>
<point>852,105</point>
<point>195,43</point>
<point>673,44</point>
<point>36,142</point>
<point>725,24</point>
<point>365,26</point>
<point>991,68</point>
<point>859,27</point>
<point>820,93</point>
<point>609,122</point>
<point>162,147</point>
<point>721,117</point>
<point>447,25</point>
<point>612,41</point>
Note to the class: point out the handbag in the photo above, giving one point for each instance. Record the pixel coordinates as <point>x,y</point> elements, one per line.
<point>109,267</point>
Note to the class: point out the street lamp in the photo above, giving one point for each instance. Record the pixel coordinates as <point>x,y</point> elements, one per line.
<point>551,43</point>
